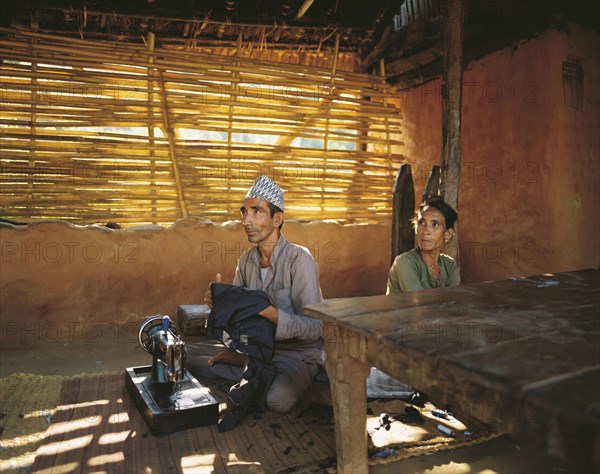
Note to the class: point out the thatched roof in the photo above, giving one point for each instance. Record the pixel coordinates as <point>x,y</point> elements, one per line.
<point>405,34</point>
<point>280,24</point>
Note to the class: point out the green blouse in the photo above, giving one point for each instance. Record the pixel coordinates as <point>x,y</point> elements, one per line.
<point>409,273</point>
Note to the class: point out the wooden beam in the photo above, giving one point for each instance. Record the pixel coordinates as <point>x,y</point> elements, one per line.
<point>328,113</point>
<point>235,97</point>
<point>416,61</point>
<point>384,19</point>
<point>349,392</point>
<point>35,20</point>
<point>451,105</point>
<point>432,188</point>
<point>387,123</point>
<point>393,44</point>
<point>388,37</point>
<point>403,208</point>
<point>417,77</point>
<point>151,141</point>
<point>302,10</point>
<point>170,133</point>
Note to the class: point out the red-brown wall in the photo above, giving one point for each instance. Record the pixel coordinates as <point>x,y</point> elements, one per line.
<point>530,165</point>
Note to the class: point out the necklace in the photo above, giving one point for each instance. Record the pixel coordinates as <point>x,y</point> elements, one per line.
<point>434,281</point>
<point>433,270</point>
<point>432,267</point>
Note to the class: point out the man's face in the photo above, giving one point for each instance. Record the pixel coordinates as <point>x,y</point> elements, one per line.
<point>257,221</point>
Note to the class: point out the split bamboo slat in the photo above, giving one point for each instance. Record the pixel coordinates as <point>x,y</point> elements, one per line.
<point>94,131</point>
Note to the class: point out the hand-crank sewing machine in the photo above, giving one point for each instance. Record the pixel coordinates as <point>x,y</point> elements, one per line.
<point>168,396</point>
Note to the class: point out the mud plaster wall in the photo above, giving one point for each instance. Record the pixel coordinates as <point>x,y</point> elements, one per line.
<point>55,272</point>
<point>530,165</point>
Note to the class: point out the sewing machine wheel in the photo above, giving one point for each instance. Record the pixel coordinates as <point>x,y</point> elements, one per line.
<point>151,326</point>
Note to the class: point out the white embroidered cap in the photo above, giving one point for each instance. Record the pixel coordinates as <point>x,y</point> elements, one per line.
<point>265,188</point>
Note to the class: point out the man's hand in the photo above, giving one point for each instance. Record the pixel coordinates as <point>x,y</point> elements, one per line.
<point>228,357</point>
<point>208,293</point>
<point>271,313</point>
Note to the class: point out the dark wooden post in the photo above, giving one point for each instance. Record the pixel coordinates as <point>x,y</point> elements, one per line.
<point>403,208</point>
<point>432,188</point>
<point>451,106</point>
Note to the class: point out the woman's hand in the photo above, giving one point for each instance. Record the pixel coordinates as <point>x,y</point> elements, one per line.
<point>208,293</point>
<point>228,357</point>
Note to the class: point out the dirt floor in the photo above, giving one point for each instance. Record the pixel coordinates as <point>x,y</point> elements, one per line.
<point>110,349</point>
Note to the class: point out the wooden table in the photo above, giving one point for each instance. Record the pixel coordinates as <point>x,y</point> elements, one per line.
<point>521,355</point>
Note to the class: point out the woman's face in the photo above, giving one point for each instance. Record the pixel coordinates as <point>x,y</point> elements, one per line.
<point>431,230</point>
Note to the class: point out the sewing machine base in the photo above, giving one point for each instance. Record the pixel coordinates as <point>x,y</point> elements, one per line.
<point>171,407</point>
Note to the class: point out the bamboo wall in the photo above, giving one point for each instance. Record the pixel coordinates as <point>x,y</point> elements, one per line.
<point>98,131</point>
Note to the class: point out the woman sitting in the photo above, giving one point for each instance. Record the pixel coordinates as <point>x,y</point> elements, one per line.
<point>425,267</point>
<point>421,268</point>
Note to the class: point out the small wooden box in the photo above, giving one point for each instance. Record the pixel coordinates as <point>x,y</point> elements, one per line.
<point>191,319</point>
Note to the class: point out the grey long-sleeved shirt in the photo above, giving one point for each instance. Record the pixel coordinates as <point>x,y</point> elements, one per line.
<point>292,282</point>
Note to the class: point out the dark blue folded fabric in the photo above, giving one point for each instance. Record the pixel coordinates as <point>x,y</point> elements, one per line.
<point>234,321</point>
<point>235,312</point>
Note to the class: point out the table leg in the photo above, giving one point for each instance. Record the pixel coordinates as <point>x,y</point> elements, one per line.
<point>349,394</point>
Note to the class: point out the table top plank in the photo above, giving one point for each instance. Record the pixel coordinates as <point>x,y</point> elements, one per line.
<point>519,364</point>
<point>578,394</point>
<point>566,290</point>
<point>336,309</point>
